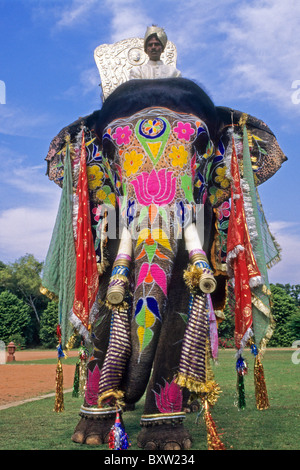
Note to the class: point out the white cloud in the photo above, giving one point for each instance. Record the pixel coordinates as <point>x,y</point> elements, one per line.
<point>28,215</point>
<point>16,121</point>
<point>128,19</point>
<point>77,13</point>
<point>125,16</point>
<point>29,180</point>
<point>26,230</point>
<point>89,81</point>
<point>288,269</point>
<point>262,49</point>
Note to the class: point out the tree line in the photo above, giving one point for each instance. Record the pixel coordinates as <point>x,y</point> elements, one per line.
<point>29,318</point>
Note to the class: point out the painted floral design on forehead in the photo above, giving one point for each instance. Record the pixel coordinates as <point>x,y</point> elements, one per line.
<point>184,130</point>
<point>152,128</point>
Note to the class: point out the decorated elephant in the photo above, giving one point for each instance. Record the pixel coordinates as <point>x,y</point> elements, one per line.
<point>147,245</point>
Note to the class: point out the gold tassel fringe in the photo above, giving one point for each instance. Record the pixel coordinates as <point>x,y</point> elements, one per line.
<point>261,394</point>
<point>123,305</point>
<point>117,395</point>
<point>213,440</point>
<point>48,293</point>
<point>210,388</point>
<point>59,392</point>
<point>192,277</point>
<point>82,377</point>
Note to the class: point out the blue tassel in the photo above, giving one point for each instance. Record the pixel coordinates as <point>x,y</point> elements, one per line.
<point>60,352</point>
<point>241,366</point>
<point>254,349</point>
<point>118,439</point>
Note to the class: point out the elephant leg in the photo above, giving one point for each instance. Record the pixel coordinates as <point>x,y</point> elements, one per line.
<point>93,428</point>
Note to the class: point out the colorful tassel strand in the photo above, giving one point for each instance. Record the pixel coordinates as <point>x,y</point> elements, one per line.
<point>59,391</point>
<point>118,439</point>
<point>242,369</point>
<point>261,394</point>
<point>59,381</point>
<point>213,440</point>
<point>75,393</point>
<point>241,403</point>
<point>82,377</point>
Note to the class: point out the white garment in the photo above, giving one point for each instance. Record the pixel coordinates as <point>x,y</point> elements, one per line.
<point>153,69</point>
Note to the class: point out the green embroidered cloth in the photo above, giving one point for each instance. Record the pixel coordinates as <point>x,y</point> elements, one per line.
<point>60,264</point>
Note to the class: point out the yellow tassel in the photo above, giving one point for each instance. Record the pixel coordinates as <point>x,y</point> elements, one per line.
<point>112,395</point>
<point>261,394</point>
<point>192,277</point>
<point>59,392</point>
<point>213,440</point>
<point>82,377</point>
<point>210,388</point>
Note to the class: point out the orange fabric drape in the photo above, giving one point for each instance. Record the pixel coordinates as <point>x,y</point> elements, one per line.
<point>241,255</point>
<point>87,281</point>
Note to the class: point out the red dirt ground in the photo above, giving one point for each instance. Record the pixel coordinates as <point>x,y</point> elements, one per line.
<point>23,381</point>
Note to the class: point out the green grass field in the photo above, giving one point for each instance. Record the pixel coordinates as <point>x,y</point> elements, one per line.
<point>34,426</point>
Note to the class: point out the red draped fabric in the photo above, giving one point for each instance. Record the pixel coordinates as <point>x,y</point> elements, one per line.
<point>87,281</point>
<point>240,254</point>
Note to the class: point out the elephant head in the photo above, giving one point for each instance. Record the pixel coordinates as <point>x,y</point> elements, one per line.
<point>155,153</point>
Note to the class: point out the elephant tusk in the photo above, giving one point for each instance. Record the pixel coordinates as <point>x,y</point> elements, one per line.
<point>119,276</point>
<point>197,255</point>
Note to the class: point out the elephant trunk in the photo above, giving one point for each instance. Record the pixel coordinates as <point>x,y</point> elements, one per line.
<point>154,251</point>
<point>134,336</point>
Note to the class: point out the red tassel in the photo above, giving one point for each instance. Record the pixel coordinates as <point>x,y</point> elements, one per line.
<point>58,333</point>
<point>213,440</point>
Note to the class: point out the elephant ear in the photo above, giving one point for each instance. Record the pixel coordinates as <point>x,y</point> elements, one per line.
<point>266,158</point>
<point>266,154</point>
<point>102,182</point>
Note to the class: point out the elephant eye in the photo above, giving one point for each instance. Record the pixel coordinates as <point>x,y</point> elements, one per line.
<point>200,144</point>
<point>108,148</point>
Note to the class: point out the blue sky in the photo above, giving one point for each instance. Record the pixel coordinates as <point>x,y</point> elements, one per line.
<point>244,53</point>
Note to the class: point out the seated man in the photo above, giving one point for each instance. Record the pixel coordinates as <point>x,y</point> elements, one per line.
<point>154,43</point>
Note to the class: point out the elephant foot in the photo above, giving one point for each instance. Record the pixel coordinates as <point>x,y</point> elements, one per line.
<point>93,428</point>
<point>164,437</point>
<point>92,432</point>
